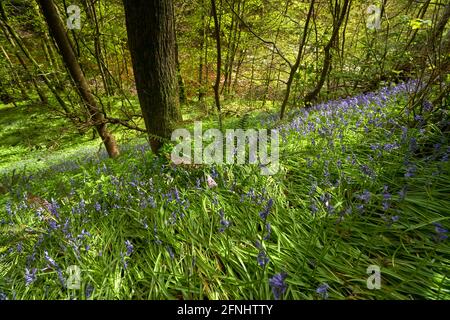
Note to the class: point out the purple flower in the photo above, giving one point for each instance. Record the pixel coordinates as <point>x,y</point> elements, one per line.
<point>366,170</point>
<point>53,225</point>
<point>418,118</point>
<point>278,285</point>
<point>262,258</point>
<point>30,276</point>
<point>53,207</point>
<point>269,231</point>
<point>386,194</point>
<point>225,223</point>
<point>410,171</point>
<point>322,290</point>
<point>214,173</point>
<point>445,157</point>
<point>365,196</point>
<point>129,246</point>
<point>427,106</point>
<point>89,290</point>
<point>97,207</point>
<point>171,253</point>
<point>390,146</point>
<point>413,144</point>
<point>8,208</point>
<point>441,232</point>
<point>49,259</point>
<point>265,212</point>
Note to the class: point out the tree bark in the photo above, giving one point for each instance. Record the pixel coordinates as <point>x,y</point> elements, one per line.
<point>151,39</point>
<point>219,61</point>
<point>328,56</point>
<point>295,66</point>
<point>59,34</point>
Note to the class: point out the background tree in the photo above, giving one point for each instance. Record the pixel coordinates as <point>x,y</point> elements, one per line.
<point>151,39</point>
<point>59,34</point>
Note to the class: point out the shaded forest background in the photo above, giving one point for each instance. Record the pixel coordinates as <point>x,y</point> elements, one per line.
<point>257,55</point>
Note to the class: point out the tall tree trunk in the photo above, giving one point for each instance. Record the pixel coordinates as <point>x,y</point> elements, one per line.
<point>219,61</point>
<point>58,32</point>
<point>295,66</point>
<point>151,39</point>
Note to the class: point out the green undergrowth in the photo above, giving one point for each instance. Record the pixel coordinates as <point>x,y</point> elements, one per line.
<point>356,188</point>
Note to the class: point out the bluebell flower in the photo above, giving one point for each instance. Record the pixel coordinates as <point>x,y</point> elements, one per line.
<point>8,208</point>
<point>410,171</point>
<point>129,246</point>
<point>65,228</point>
<point>225,223</point>
<point>265,212</point>
<point>84,234</point>
<point>365,196</point>
<point>413,144</point>
<point>278,285</point>
<point>61,277</point>
<point>269,231</point>
<point>30,276</point>
<point>214,173</point>
<point>262,258</point>
<point>366,170</point>
<point>97,207</point>
<point>171,253</point>
<point>427,106</point>
<point>386,194</point>
<point>53,207</point>
<point>49,259</point>
<point>322,290</point>
<point>89,290</point>
<point>53,225</point>
<point>3,296</point>
<point>441,232</point>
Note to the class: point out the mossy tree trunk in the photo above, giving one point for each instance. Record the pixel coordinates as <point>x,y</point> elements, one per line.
<point>152,43</point>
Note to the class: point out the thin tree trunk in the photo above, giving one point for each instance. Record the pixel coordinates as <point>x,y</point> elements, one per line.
<point>219,61</point>
<point>328,56</point>
<point>58,32</point>
<point>182,89</point>
<point>295,66</point>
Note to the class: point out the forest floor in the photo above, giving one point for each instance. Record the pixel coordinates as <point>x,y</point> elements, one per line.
<point>357,192</point>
